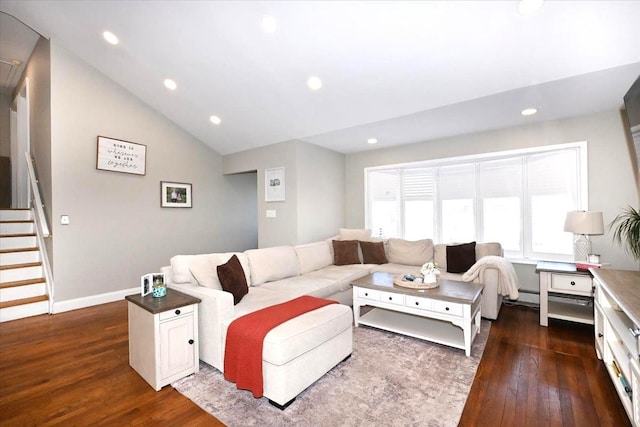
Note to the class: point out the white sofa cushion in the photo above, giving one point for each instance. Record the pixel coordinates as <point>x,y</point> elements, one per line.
<point>313,256</point>
<point>407,252</point>
<point>343,275</point>
<point>303,285</point>
<point>490,248</point>
<point>307,331</point>
<point>355,234</point>
<point>204,268</point>
<point>269,264</point>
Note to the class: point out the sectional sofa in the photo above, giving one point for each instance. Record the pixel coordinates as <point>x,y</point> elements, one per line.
<point>278,274</point>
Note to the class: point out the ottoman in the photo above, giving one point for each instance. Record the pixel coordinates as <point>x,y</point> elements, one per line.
<point>301,350</point>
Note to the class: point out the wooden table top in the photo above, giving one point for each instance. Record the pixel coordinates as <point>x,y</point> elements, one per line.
<point>172,300</point>
<point>449,290</point>
<point>624,286</point>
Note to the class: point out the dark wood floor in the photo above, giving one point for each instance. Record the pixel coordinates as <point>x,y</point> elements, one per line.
<point>72,369</point>
<point>536,376</point>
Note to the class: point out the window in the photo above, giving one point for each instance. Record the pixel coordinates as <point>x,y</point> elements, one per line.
<point>518,198</point>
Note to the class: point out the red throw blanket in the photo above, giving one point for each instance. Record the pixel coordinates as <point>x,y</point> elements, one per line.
<point>245,339</point>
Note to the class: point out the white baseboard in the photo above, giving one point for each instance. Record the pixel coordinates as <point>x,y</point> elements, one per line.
<point>74,304</point>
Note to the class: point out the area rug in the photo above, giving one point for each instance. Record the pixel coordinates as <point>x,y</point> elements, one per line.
<point>390,380</point>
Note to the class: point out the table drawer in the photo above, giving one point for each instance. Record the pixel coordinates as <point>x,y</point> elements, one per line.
<point>447,308</point>
<point>369,294</point>
<point>571,283</point>
<point>391,298</point>
<point>419,303</point>
<point>181,311</point>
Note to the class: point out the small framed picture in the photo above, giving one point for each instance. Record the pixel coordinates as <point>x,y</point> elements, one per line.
<point>149,280</point>
<point>146,284</point>
<point>175,195</point>
<point>274,188</point>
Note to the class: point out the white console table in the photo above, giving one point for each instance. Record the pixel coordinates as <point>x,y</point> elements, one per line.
<point>617,328</point>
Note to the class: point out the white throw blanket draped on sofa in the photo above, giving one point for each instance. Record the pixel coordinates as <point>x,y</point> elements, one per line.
<point>508,284</point>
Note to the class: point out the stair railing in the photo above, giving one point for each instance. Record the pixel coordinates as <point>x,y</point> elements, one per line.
<point>41,226</point>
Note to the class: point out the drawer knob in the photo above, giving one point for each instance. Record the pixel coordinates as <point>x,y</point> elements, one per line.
<point>390,298</point>
<point>366,294</point>
<point>177,311</point>
<point>446,308</point>
<point>635,332</point>
<point>191,341</point>
<point>573,283</point>
<point>417,303</point>
<point>600,335</point>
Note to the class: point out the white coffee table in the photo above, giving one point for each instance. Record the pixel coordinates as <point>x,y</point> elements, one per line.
<point>449,314</point>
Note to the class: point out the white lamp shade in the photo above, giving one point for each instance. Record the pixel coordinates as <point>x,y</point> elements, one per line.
<point>584,222</point>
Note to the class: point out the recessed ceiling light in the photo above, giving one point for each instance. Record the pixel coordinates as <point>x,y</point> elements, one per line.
<point>314,83</point>
<point>110,37</point>
<point>215,120</point>
<point>529,7</point>
<point>529,111</point>
<point>170,84</point>
<point>269,24</point>
<point>372,141</point>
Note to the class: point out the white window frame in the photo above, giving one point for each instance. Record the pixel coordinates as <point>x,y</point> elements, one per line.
<point>527,255</point>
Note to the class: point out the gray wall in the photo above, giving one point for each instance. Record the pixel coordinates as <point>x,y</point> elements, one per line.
<point>611,179</point>
<point>5,125</point>
<point>38,71</point>
<point>314,202</point>
<point>280,230</point>
<point>320,192</point>
<point>118,230</point>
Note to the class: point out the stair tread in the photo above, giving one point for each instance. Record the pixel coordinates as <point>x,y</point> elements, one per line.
<point>23,265</point>
<point>23,301</point>
<point>8,251</point>
<point>22,283</point>
<point>19,235</point>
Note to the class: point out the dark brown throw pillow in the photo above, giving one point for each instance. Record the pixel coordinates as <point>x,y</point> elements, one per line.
<point>345,252</point>
<point>460,258</point>
<point>232,279</point>
<point>373,253</point>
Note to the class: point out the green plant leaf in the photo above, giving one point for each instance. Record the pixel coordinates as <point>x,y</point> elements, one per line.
<point>627,231</point>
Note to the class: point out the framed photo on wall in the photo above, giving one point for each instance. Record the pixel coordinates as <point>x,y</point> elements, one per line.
<point>175,195</point>
<point>274,185</point>
<point>116,155</point>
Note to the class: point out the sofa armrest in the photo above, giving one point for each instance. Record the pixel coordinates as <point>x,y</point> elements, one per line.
<point>491,299</point>
<point>216,308</point>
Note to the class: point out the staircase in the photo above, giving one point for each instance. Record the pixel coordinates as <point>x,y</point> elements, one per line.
<point>23,289</point>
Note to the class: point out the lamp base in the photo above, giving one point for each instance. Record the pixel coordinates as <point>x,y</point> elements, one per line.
<point>581,248</point>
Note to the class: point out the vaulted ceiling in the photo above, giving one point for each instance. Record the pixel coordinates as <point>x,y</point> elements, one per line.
<point>399,72</point>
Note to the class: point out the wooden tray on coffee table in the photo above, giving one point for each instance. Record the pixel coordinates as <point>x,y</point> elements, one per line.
<point>397,280</point>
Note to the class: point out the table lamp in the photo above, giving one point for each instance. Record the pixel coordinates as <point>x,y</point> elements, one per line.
<point>583,224</point>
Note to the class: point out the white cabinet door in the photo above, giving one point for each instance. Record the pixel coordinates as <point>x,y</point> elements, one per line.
<point>635,386</point>
<point>176,346</point>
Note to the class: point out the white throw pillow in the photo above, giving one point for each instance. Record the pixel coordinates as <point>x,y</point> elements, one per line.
<point>180,269</point>
<point>313,256</point>
<point>202,269</point>
<point>408,252</point>
<point>205,273</point>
